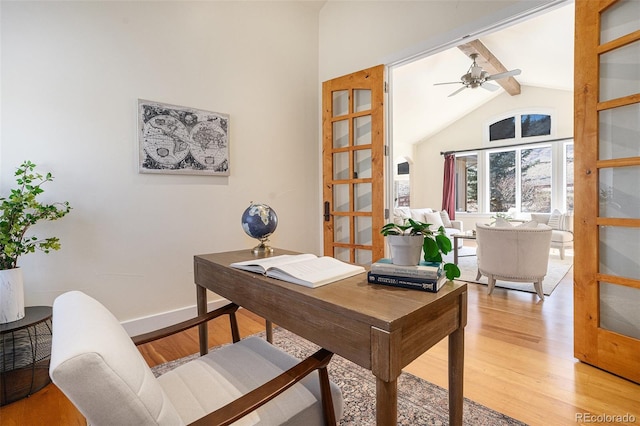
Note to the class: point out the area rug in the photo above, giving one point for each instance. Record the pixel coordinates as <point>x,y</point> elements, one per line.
<point>419,402</point>
<point>558,268</point>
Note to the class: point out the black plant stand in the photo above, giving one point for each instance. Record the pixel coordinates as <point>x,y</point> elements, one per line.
<point>25,352</point>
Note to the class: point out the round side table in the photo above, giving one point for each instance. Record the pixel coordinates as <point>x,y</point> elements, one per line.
<point>25,352</point>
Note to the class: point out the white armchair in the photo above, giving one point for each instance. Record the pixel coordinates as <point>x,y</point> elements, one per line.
<point>514,254</point>
<point>97,365</point>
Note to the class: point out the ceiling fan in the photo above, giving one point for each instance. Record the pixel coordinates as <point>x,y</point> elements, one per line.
<point>477,77</point>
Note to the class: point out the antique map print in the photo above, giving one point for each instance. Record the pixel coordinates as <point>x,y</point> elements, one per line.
<point>175,139</point>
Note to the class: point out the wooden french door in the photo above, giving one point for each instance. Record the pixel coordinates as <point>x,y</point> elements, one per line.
<point>353,165</point>
<point>607,186</point>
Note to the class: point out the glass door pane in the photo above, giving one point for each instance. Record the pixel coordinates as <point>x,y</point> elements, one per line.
<point>362,166</point>
<point>362,130</point>
<point>619,309</point>
<point>619,19</point>
<point>620,72</point>
<point>340,103</point>
<point>619,132</point>
<point>619,195</point>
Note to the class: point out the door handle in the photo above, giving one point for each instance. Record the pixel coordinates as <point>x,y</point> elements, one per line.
<point>326,211</point>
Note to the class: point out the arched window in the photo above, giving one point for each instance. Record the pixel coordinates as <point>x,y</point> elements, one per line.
<point>520,127</point>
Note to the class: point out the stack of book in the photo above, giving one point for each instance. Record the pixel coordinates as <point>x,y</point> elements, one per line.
<point>427,276</point>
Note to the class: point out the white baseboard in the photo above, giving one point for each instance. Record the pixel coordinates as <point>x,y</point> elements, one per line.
<point>153,322</point>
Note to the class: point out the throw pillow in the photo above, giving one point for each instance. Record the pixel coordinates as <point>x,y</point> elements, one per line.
<point>541,217</point>
<point>444,215</point>
<point>530,224</point>
<point>434,219</point>
<point>418,214</point>
<point>401,214</point>
<point>503,223</point>
<point>554,220</point>
<point>566,222</point>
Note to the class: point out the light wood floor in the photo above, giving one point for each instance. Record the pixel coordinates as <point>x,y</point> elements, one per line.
<point>519,361</point>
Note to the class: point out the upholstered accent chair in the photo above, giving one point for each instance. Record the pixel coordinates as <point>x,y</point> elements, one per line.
<point>519,253</point>
<point>561,225</point>
<point>98,366</point>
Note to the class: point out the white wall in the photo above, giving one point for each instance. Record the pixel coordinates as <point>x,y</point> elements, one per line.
<point>72,72</point>
<point>355,35</point>
<point>71,75</point>
<point>466,133</point>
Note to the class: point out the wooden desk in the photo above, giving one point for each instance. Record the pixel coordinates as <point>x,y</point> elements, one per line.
<point>377,327</point>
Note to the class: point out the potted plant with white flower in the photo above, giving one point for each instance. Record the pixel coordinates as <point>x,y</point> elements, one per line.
<point>18,212</point>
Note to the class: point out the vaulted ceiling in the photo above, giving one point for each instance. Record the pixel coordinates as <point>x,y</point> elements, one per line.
<point>541,47</point>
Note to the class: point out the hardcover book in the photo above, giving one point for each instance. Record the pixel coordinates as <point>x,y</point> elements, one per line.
<point>430,285</point>
<point>308,270</point>
<point>385,266</point>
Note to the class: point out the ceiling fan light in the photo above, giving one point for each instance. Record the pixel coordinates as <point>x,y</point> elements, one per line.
<point>476,71</point>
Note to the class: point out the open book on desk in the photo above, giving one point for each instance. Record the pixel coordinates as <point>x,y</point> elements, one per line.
<point>308,270</point>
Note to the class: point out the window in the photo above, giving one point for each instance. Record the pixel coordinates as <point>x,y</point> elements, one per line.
<point>568,176</point>
<point>403,168</point>
<point>502,181</point>
<point>467,183</point>
<point>526,178</point>
<point>535,125</point>
<point>402,184</point>
<point>520,179</point>
<point>520,127</point>
<point>503,129</point>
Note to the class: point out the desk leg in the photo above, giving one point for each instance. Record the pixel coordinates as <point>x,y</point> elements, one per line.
<point>201,303</point>
<point>269,329</point>
<point>386,402</point>
<point>455,250</point>
<point>456,376</point>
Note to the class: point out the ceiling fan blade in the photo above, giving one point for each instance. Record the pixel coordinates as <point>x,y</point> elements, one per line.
<point>449,82</point>
<point>457,91</point>
<point>490,87</point>
<point>503,75</point>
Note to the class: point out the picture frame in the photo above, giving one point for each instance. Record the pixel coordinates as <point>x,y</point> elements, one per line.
<point>174,139</point>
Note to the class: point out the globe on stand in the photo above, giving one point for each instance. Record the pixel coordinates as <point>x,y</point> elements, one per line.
<point>259,221</point>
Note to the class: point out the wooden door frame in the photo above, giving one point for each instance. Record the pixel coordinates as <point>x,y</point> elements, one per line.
<point>377,179</point>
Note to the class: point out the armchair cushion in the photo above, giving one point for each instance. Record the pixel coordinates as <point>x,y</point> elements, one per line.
<point>209,382</point>
<point>96,364</point>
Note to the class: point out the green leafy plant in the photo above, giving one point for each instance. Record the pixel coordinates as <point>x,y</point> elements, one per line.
<point>20,210</point>
<point>506,216</point>
<point>434,246</point>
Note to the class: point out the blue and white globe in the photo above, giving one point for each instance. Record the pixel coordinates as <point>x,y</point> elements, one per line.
<point>259,221</point>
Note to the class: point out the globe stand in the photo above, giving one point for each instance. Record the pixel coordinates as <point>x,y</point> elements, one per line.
<point>262,248</point>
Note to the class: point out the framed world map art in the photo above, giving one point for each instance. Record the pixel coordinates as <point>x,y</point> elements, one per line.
<point>180,140</point>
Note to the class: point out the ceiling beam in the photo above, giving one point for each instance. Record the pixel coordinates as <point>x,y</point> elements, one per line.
<point>491,64</point>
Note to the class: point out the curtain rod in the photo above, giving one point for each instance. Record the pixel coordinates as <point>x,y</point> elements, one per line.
<point>504,146</point>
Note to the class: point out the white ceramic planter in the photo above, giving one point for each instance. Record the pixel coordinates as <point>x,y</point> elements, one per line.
<point>11,295</point>
<point>405,249</point>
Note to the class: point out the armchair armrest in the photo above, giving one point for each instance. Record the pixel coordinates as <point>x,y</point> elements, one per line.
<point>229,309</point>
<point>263,394</point>
<point>457,224</point>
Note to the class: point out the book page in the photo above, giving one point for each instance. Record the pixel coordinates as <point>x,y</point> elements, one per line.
<point>315,272</point>
<point>263,264</point>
